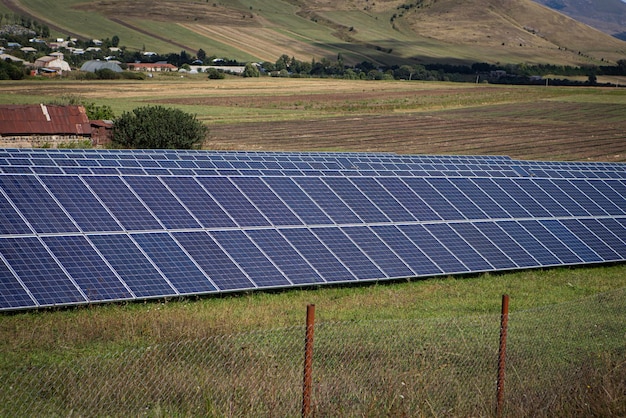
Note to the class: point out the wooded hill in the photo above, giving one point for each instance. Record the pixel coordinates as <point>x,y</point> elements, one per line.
<point>386,32</point>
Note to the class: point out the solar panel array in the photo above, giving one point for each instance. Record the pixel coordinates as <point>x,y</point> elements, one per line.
<point>87,226</point>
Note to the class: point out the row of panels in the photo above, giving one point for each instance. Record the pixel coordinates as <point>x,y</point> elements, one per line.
<point>167,154</point>
<point>344,159</point>
<point>72,204</point>
<point>139,164</point>
<point>77,269</point>
<point>162,171</point>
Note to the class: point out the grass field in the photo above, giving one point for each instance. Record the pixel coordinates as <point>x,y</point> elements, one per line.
<point>404,117</point>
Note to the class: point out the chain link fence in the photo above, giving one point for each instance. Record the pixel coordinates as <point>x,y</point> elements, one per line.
<point>565,360</point>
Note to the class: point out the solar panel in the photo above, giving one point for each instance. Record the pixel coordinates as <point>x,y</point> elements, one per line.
<point>87,226</point>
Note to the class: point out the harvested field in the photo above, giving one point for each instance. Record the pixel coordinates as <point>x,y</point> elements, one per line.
<point>435,133</point>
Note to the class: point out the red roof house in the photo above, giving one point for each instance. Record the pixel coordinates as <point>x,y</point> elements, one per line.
<point>31,120</point>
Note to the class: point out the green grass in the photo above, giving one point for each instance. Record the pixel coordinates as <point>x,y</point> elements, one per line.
<point>412,348</point>
<point>81,328</point>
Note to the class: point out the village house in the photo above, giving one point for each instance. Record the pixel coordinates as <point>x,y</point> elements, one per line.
<point>152,67</point>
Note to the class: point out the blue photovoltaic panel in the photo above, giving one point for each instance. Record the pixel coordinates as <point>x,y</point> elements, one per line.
<point>383,199</point>
<point>250,259</point>
<point>328,266</point>
<point>433,249</point>
<point>481,244</point>
<point>378,252</point>
<point>87,268</point>
<point>513,208</point>
<point>351,256</point>
<point>80,203</point>
<point>266,201</point>
<point>285,257</point>
<point>174,263</point>
<point>10,220</point>
<point>233,201</point>
<point>461,249</point>
<point>560,196</point>
<point>401,245</point>
<point>579,197</point>
<point>531,242</point>
<point>161,202</point>
<point>352,197</point>
<point>542,197</point>
<point>612,195</point>
<point>212,259</point>
<point>36,204</point>
<point>201,205</point>
<point>12,293</point>
<point>603,229</point>
<point>563,253</point>
<point>433,198</point>
<point>132,266</point>
<point>332,205</point>
<point>457,198</point>
<point>512,248</point>
<point>118,198</point>
<point>84,226</point>
<point>298,201</point>
<point>416,206</point>
<point>598,198</point>
<point>578,247</point>
<point>481,199</point>
<point>525,200</point>
<point>591,240</point>
<point>47,282</point>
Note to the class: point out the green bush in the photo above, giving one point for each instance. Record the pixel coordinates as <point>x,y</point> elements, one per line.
<point>158,127</point>
<point>215,74</point>
<point>251,70</point>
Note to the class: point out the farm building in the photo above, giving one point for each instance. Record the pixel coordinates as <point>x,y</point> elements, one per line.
<point>95,65</point>
<point>39,124</point>
<point>52,62</point>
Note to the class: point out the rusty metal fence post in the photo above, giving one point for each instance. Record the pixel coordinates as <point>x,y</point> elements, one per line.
<point>308,361</point>
<point>504,323</point>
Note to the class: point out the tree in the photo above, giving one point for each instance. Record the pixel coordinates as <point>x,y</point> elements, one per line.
<point>158,127</point>
<point>95,112</point>
<point>115,40</point>
<point>201,55</point>
<point>251,70</point>
<point>283,63</point>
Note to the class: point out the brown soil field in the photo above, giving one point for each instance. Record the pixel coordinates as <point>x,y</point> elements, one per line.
<point>452,132</point>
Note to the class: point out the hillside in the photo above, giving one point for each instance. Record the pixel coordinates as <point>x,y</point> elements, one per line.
<point>385,32</point>
<point>606,15</point>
